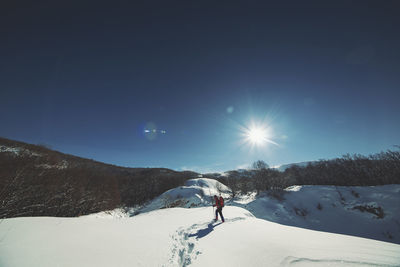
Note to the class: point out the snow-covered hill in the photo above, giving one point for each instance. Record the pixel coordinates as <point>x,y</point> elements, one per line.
<point>364,211</point>
<point>254,233</point>
<point>195,193</point>
<point>182,237</point>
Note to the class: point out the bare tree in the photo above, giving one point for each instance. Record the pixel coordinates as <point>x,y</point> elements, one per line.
<point>260,165</point>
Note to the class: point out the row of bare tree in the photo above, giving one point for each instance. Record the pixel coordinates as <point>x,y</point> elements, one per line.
<point>349,170</point>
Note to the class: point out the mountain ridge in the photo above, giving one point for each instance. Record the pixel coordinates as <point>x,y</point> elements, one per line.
<point>37,181</point>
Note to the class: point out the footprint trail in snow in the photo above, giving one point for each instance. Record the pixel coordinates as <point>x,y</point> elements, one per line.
<point>184,250</point>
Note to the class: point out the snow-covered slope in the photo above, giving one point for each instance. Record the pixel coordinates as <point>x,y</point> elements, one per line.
<point>364,211</point>
<point>258,231</point>
<point>195,193</point>
<point>181,237</point>
<point>370,212</point>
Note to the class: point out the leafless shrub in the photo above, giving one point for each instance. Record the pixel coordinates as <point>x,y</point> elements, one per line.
<point>355,194</point>
<point>377,211</point>
<point>278,194</point>
<point>301,211</point>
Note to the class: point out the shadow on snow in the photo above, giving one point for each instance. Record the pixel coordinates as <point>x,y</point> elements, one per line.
<point>203,232</point>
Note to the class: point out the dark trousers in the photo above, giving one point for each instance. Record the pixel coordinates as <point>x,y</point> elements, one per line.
<point>219,210</point>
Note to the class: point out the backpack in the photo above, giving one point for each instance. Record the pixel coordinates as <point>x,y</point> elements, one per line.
<point>221,201</point>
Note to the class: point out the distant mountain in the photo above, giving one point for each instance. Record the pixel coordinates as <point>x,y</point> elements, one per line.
<point>37,181</point>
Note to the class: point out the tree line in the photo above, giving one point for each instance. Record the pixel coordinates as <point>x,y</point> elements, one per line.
<point>37,181</point>
<point>349,170</point>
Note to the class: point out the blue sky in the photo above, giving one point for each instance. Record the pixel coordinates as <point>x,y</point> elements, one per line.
<point>86,78</point>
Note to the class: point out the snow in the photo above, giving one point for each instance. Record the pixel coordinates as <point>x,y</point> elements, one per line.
<point>195,193</point>
<point>370,211</point>
<point>294,188</point>
<point>259,230</point>
<point>364,211</point>
<point>18,151</point>
<point>14,150</point>
<point>181,237</point>
<point>111,214</point>
<point>60,166</point>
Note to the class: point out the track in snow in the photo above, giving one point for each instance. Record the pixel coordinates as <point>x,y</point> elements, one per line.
<point>184,250</point>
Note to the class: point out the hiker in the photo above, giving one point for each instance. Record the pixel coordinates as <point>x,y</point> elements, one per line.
<point>219,203</point>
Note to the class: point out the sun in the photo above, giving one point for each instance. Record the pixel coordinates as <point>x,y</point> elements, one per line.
<point>257,136</point>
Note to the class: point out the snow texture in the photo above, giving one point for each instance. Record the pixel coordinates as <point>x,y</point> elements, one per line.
<point>195,193</point>
<point>364,211</point>
<point>182,237</point>
<point>161,236</point>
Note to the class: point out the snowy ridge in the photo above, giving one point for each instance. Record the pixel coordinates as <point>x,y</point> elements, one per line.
<point>195,193</point>
<point>110,214</point>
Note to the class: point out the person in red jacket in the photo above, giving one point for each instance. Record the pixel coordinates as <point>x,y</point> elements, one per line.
<point>219,203</point>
